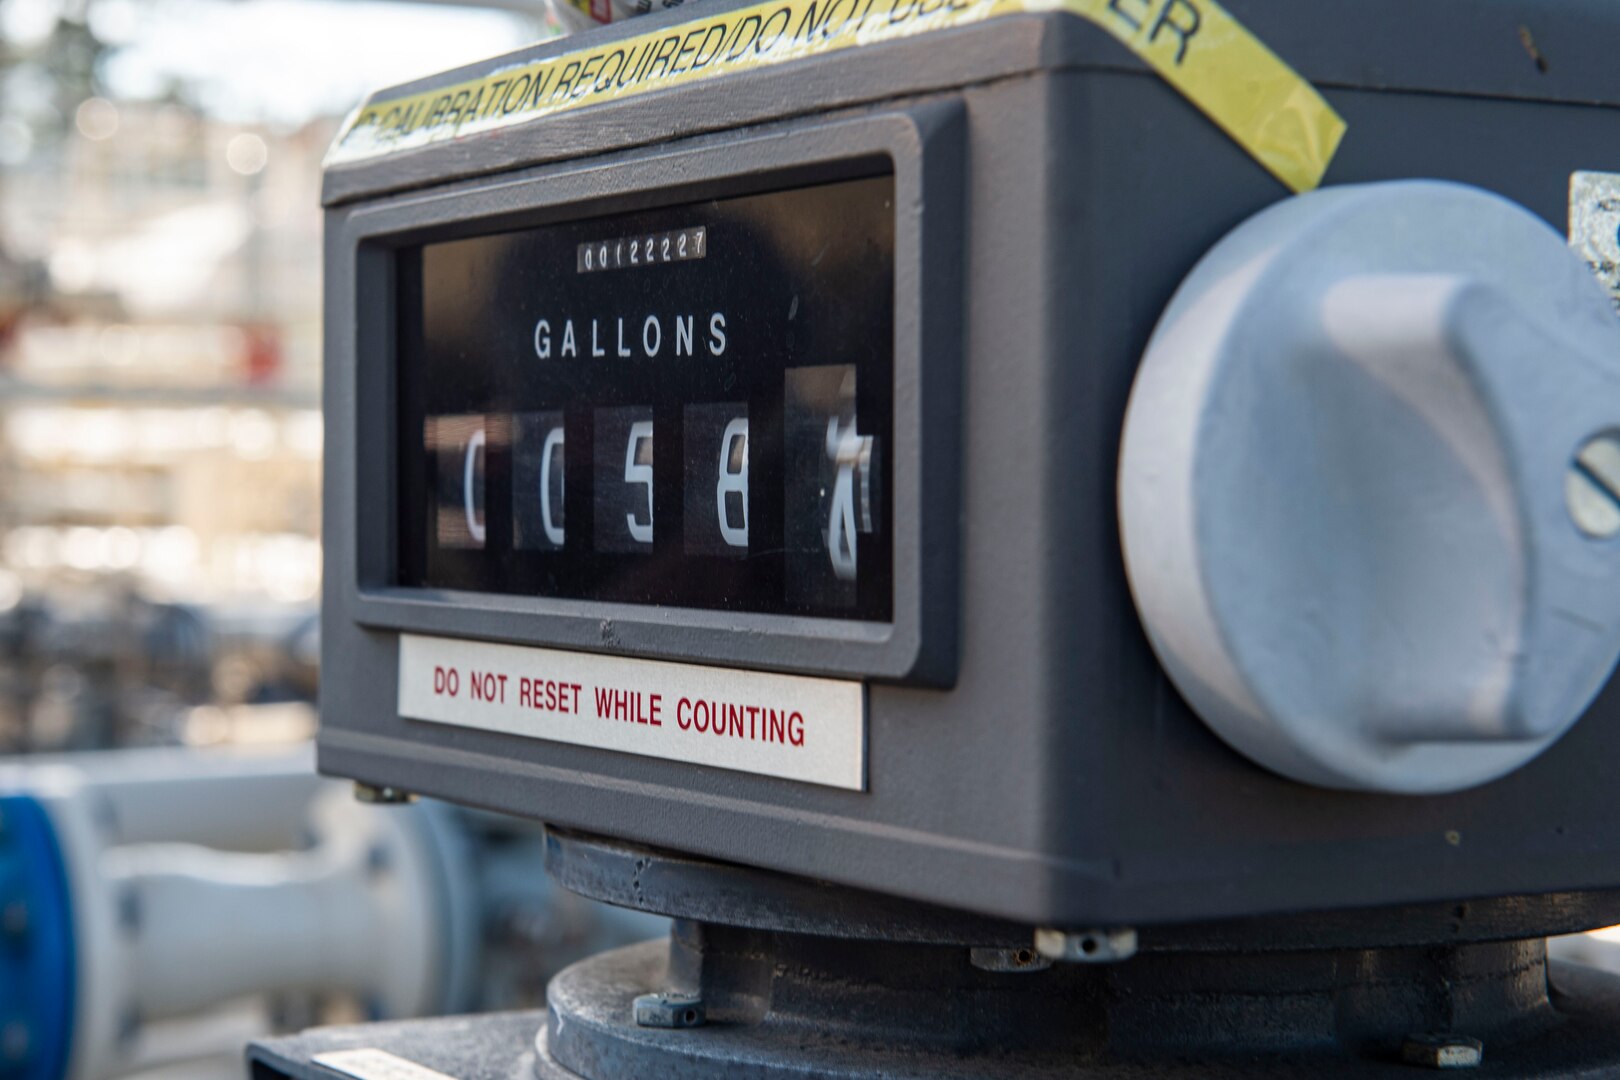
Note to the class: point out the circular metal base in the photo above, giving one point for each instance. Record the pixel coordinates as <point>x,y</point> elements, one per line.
<point>687,887</point>
<point>784,1017</point>
<point>799,979</point>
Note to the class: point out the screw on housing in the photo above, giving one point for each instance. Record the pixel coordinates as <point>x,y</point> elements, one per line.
<point>1087,946</point>
<point>382,795</point>
<point>1592,488</point>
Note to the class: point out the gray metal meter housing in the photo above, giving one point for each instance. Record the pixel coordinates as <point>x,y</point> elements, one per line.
<point>1027,757</point>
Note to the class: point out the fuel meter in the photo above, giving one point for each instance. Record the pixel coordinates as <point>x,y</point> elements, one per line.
<point>956,487</point>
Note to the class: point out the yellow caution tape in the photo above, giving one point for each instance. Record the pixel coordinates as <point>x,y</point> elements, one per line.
<point>1195,45</point>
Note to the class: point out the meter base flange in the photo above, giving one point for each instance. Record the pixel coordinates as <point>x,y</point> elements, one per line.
<point>703,890</point>
<point>801,978</point>
<point>797,1006</point>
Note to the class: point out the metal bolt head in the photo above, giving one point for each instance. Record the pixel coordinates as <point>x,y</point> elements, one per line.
<point>1087,946</point>
<point>1442,1051</point>
<point>1592,487</point>
<point>382,795</point>
<point>668,1010</point>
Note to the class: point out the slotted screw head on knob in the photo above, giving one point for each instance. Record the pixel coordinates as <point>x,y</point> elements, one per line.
<point>1593,487</point>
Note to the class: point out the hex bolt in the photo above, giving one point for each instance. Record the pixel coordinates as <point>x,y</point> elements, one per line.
<point>1592,487</point>
<point>382,795</point>
<point>669,1010</point>
<point>1442,1051</point>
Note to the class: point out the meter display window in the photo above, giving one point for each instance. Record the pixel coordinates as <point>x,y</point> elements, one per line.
<point>689,406</point>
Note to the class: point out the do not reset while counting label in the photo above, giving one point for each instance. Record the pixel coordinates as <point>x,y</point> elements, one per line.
<point>1194,45</point>
<point>788,726</point>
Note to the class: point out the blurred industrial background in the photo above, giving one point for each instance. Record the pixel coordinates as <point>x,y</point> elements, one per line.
<point>160,432</point>
<point>160,444</point>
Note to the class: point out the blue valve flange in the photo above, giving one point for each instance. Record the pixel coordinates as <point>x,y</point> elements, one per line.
<point>36,945</point>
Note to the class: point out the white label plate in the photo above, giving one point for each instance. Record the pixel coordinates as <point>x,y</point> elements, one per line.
<point>369,1064</point>
<point>789,726</point>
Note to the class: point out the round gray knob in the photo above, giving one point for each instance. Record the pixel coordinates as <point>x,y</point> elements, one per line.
<point>1370,488</point>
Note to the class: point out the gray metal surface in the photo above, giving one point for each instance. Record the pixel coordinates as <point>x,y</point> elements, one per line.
<point>786,1007</point>
<point>1265,1001</point>
<point>666,883</point>
<point>501,1047</point>
<point>1570,1033</point>
<point>701,890</point>
<point>715,999</point>
<point>1061,781</point>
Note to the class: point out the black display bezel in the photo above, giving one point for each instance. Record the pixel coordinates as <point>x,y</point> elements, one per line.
<point>805,276</point>
<point>924,147</point>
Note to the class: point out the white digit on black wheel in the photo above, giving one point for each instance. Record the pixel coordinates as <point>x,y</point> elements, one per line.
<point>553,445</point>
<point>638,470</point>
<point>469,471</point>
<point>843,447</point>
<point>733,478</point>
